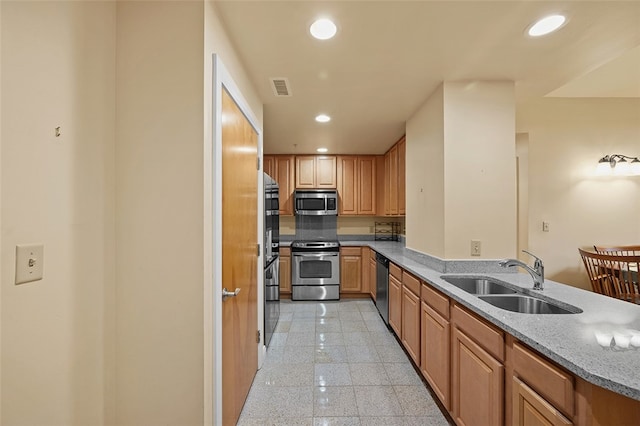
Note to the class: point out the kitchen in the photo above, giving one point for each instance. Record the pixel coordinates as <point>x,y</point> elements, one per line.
<point>566,137</point>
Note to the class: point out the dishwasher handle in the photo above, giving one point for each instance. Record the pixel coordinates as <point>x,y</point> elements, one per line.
<point>383,260</point>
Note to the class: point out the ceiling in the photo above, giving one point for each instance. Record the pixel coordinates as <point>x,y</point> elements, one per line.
<point>389,56</point>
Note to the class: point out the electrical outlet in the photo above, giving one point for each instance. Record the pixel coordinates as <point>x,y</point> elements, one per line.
<point>476,248</point>
<point>545,226</point>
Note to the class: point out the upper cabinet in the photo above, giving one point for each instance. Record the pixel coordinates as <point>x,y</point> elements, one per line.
<point>357,185</point>
<point>392,180</point>
<point>315,171</point>
<point>281,168</point>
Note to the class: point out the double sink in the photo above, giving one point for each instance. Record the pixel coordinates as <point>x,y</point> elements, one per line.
<point>507,298</point>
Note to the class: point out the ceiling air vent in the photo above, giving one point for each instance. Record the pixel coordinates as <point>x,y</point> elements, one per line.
<point>280,86</point>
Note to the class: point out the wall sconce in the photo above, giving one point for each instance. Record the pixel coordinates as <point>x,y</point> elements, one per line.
<point>617,165</point>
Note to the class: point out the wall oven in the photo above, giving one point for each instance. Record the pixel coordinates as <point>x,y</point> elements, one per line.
<point>316,202</point>
<point>315,270</point>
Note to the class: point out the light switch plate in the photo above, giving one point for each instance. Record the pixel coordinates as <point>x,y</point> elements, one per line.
<point>29,262</point>
<point>476,248</point>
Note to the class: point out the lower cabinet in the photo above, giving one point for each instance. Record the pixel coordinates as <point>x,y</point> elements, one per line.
<point>477,383</point>
<point>395,304</point>
<point>477,370</point>
<point>285,271</point>
<point>434,352</point>
<point>350,270</point>
<point>373,275</point>
<point>530,409</point>
<point>411,316</point>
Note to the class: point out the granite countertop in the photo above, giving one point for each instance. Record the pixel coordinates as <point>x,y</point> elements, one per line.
<point>569,340</point>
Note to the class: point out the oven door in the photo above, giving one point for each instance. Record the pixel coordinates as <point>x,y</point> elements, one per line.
<point>320,268</point>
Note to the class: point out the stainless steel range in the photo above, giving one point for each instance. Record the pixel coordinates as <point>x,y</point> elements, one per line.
<point>315,270</point>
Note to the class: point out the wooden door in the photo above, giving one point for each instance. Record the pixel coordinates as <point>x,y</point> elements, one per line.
<point>530,409</point>
<point>326,172</point>
<point>387,181</point>
<point>367,185</point>
<point>239,258</point>
<point>411,323</point>
<point>373,277</point>
<point>350,270</point>
<point>305,171</point>
<point>285,270</point>
<point>348,185</point>
<point>435,353</point>
<point>366,279</point>
<point>477,383</point>
<point>395,305</point>
<point>393,180</point>
<point>285,177</point>
<point>269,166</point>
<point>402,179</point>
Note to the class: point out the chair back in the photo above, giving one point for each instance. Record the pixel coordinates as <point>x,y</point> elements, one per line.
<point>621,250</point>
<point>613,275</point>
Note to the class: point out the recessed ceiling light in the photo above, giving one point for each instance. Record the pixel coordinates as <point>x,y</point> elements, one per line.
<point>546,25</point>
<point>323,118</point>
<point>322,150</point>
<point>323,29</point>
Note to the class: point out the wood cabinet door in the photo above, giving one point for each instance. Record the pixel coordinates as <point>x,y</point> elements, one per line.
<point>395,305</point>
<point>366,185</point>
<point>366,279</point>
<point>348,185</point>
<point>373,277</point>
<point>268,165</point>
<point>435,353</point>
<point>387,181</point>
<point>305,171</point>
<point>402,145</point>
<point>326,172</point>
<point>350,270</point>
<point>477,383</point>
<point>411,323</point>
<point>285,270</point>
<point>530,409</point>
<point>393,180</point>
<point>284,175</point>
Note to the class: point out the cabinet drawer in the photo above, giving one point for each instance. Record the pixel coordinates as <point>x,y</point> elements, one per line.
<point>396,271</point>
<point>554,384</point>
<point>285,251</point>
<point>411,282</point>
<point>438,301</point>
<point>350,251</point>
<point>488,337</point>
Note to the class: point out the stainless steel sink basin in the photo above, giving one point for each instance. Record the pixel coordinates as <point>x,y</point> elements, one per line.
<point>478,285</point>
<point>527,304</point>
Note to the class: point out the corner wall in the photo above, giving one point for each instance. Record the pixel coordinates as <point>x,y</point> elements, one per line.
<point>425,177</point>
<point>567,137</point>
<point>159,215</point>
<point>58,69</point>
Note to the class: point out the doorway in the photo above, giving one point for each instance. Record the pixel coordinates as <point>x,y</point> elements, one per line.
<point>233,286</point>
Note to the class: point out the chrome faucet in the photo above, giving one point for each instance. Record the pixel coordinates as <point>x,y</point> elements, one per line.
<point>537,272</point>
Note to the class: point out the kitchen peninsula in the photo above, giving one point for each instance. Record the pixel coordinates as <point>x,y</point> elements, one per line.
<point>552,364</point>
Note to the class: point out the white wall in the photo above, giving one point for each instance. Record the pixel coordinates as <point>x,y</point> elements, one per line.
<point>461,171</point>
<point>566,139</point>
<point>58,70</point>
<point>159,215</point>
<point>479,169</point>
<point>425,177</point>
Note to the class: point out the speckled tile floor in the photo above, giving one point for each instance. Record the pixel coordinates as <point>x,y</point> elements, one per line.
<point>336,364</point>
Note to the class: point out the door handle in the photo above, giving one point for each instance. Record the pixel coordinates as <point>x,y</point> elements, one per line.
<point>226,293</point>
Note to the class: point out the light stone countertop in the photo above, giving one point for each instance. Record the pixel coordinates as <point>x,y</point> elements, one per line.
<point>568,339</point>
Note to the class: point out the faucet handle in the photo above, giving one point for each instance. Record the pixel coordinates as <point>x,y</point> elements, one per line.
<point>538,260</point>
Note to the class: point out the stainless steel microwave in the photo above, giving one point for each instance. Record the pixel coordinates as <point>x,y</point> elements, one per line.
<point>316,202</point>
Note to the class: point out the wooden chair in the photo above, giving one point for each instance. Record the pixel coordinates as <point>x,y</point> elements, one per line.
<point>620,250</point>
<point>613,275</point>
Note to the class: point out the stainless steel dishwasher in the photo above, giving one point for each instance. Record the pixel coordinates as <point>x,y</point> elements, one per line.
<point>382,287</point>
